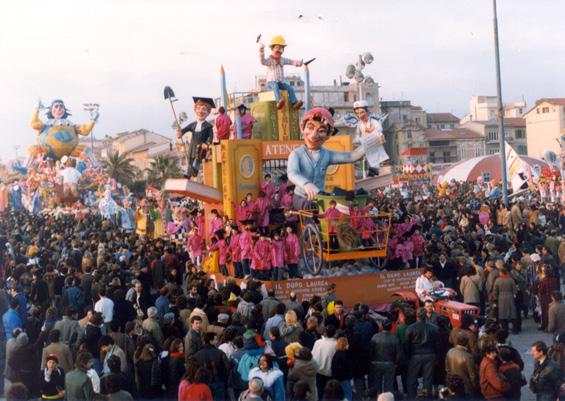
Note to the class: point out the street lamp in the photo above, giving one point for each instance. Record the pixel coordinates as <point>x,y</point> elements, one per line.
<point>355,71</point>
<point>92,109</point>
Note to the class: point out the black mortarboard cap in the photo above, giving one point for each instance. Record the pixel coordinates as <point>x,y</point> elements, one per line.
<point>242,106</point>
<point>246,222</point>
<point>207,100</point>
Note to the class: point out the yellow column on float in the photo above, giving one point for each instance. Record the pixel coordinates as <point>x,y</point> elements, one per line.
<point>287,119</point>
<point>241,171</point>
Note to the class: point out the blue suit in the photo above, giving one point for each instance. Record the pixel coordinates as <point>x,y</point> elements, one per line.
<point>303,167</point>
<point>11,320</point>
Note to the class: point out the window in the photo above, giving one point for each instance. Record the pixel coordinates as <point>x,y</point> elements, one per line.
<point>522,149</point>
<point>417,119</point>
<point>291,83</point>
<point>442,126</point>
<point>492,135</point>
<point>545,110</point>
<point>409,134</point>
<point>345,96</point>
<point>404,118</point>
<point>520,134</point>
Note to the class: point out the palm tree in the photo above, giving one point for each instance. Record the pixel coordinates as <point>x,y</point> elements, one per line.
<point>120,167</point>
<point>161,168</point>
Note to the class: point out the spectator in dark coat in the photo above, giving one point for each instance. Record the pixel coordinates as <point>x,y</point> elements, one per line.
<point>421,346</point>
<point>216,362</point>
<point>309,336</point>
<point>547,377</point>
<point>342,366</point>
<point>511,373</point>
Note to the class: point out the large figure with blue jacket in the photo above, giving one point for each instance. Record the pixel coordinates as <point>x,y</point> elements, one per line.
<point>308,164</point>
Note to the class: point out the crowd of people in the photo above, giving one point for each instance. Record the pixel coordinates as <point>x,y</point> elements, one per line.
<point>95,309</point>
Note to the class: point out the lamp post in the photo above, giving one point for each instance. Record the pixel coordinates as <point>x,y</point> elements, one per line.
<point>500,109</point>
<point>92,109</point>
<point>355,71</point>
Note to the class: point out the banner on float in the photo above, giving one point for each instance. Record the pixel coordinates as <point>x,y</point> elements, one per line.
<point>517,170</point>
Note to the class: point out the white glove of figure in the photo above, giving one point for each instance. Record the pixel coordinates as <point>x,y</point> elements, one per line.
<point>311,191</point>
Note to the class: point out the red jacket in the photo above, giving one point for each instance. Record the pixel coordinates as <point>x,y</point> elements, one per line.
<point>492,384</point>
<point>196,392</point>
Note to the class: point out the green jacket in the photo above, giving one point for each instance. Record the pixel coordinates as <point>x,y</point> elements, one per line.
<point>78,386</point>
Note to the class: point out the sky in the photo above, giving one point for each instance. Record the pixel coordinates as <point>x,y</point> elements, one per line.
<point>121,53</point>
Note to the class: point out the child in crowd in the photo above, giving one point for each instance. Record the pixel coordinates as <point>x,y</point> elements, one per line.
<point>291,252</point>
<point>277,255</point>
<point>223,250</point>
<point>268,187</point>
<point>194,246</point>
<point>246,247</point>
<point>261,258</point>
<point>261,209</point>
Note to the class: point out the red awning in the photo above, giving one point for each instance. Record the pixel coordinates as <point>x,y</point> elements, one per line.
<point>414,152</point>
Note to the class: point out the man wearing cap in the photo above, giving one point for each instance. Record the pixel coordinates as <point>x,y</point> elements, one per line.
<point>307,164</point>
<point>247,121</point>
<point>275,71</point>
<point>200,134</point>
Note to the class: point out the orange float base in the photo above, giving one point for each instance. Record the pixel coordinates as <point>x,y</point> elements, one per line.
<point>371,289</point>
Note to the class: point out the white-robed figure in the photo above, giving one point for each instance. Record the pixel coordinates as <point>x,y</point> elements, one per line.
<point>108,206</point>
<point>368,125</point>
<point>425,284</point>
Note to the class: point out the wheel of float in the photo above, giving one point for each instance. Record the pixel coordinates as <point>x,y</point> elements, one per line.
<point>312,249</point>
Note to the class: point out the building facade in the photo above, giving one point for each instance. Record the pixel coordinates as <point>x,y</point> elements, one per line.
<point>453,146</point>
<point>514,129</point>
<point>142,146</point>
<point>485,108</point>
<point>403,128</point>
<point>545,122</point>
<point>443,121</point>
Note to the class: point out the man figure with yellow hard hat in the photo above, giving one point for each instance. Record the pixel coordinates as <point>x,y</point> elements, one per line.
<point>275,73</point>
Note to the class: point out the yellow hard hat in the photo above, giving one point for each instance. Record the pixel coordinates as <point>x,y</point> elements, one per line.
<point>277,40</point>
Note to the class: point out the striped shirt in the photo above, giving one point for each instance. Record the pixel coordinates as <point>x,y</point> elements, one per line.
<point>275,67</point>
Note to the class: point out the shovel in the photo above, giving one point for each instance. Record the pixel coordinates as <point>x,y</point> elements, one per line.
<point>170,96</point>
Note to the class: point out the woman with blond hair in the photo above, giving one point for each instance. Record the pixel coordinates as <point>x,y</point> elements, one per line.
<point>292,329</point>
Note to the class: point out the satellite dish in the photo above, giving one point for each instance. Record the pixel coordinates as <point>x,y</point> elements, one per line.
<point>368,58</point>
<point>369,81</point>
<point>350,71</point>
<point>359,77</point>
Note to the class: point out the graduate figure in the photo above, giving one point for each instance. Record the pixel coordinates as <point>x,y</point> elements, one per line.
<point>198,135</point>
<point>58,136</point>
<point>275,71</point>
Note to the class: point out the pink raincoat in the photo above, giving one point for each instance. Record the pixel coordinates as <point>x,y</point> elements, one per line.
<point>292,249</point>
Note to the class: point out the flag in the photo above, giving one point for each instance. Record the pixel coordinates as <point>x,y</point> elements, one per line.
<point>517,170</point>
